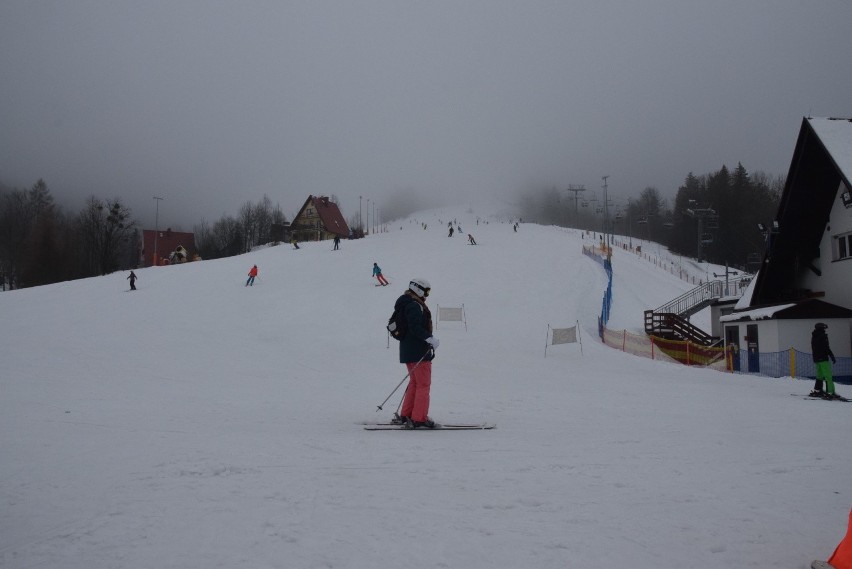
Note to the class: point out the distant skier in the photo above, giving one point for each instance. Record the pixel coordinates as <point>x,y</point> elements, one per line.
<point>821,352</point>
<point>251,275</point>
<point>416,351</point>
<point>132,276</point>
<point>294,242</point>
<point>377,272</point>
<point>336,242</point>
<point>451,232</point>
<point>470,239</point>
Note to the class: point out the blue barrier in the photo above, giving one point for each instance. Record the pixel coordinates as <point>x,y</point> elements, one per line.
<point>783,364</point>
<point>606,303</point>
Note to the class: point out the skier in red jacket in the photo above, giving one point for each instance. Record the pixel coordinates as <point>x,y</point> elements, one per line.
<point>252,273</point>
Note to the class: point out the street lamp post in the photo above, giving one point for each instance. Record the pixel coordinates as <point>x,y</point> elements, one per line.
<point>630,223</point>
<point>606,214</point>
<point>727,272</point>
<point>156,228</point>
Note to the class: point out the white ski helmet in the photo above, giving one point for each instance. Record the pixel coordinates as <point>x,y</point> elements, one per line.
<point>420,287</point>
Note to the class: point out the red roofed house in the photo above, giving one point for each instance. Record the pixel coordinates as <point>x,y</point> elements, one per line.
<point>166,242</point>
<point>318,220</point>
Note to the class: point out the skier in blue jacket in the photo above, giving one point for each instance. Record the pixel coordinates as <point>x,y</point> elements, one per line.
<point>377,272</point>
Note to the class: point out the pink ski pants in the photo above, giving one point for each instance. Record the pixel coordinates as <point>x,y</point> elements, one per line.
<point>416,402</point>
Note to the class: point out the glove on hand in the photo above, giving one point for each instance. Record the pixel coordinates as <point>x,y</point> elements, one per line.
<point>433,341</point>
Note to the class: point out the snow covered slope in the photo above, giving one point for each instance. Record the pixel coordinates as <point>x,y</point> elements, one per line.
<point>200,423</point>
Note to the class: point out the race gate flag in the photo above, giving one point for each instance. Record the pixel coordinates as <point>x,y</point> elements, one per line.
<point>563,336</point>
<point>452,314</point>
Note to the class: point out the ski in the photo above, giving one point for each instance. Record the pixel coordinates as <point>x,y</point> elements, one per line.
<point>840,399</point>
<point>438,427</point>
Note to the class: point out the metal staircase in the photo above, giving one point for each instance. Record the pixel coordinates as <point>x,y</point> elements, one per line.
<point>695,300</point>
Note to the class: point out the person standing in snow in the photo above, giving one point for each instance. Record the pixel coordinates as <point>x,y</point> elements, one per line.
<point>252,273</point>
<point>470,239</point>
<point>336,242</point>
<point>451,232</point>
<point>821,353</point>
<point>132,276</point>
<point>377,272</point>
<point>416,351</point>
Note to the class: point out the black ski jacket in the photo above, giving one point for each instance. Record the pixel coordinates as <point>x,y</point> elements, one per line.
<point>819,346</point>
<point>413,347</point>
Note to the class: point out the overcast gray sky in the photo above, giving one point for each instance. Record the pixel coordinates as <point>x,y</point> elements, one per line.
<point>211,103</point>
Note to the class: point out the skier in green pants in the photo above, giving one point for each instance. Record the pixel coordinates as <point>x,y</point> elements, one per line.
<point>821,353</point>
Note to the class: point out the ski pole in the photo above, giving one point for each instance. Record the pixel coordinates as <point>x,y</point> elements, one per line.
<point>379,408</point>
<point>402,399</point>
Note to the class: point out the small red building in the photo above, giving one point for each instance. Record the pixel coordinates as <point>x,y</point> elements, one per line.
<point>163,244</point>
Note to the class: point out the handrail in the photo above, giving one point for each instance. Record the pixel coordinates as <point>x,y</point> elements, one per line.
<point>700,294</point>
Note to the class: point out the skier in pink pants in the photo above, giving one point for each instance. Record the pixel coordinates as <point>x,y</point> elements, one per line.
<point>416,351</point>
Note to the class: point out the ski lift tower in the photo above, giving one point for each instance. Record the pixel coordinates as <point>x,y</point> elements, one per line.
<point>576,189</point>
<point>704,216</point>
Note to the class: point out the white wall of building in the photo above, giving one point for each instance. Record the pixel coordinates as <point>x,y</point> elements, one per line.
<point>836,278</point>
<point>780,335</point>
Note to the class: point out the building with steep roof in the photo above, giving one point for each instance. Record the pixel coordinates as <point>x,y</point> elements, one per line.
<point>806,270</point>
<point>318,220</point>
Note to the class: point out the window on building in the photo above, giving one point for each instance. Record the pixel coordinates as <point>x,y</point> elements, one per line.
<point>842,246</point>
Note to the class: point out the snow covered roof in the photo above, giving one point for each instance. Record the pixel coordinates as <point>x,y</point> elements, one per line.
<point>756,314</point>
<point>745,300</point>
<point>812,308</point>
<point>836,137</point>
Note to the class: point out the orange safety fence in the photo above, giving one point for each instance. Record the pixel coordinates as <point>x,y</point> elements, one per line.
<point>657,348</point>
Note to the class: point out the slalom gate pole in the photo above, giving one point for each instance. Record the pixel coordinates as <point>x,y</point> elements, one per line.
<point>379,408</point>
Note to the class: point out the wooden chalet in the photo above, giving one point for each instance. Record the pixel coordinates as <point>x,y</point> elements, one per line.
<point>318,220</point>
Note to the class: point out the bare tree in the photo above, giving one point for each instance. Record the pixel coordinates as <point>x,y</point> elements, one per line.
<point>105,229</point>
<point>226,238</point>
<point>246,217</point>
<point>263,220</point>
